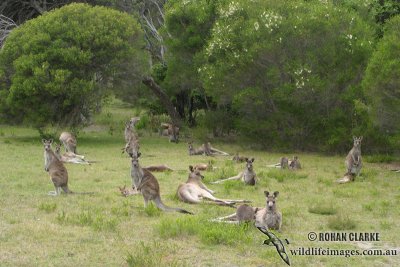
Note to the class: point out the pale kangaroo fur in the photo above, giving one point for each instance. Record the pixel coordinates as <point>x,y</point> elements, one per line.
<point>193,191</point>
<point>128,191</point>
<point>269,216</point>
<point>204,167</point>
<point>69,157</point>
<point>69,142</point>
<point>145,182</point>
<point>132,147</point>
<point>248,176</point>
<point>56,169</point>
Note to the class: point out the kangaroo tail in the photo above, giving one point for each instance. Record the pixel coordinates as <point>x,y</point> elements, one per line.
<point>163,207</point>
<point>66,189</point>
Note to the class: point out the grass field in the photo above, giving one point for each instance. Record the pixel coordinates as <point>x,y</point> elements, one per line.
<point>106,229</point>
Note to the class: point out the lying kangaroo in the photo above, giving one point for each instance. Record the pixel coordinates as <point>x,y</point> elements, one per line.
<point>248,176</point>
<point>127,191</point>
<point>204,167</point>
<point>238,158</point>
<point>193,191</point>
<point>283,164</point>
<point>145,182</point>
<point>69,157</point>
<point>158,168</point>
<point>196,151</point>
<point>69,142</point>
<point>57,171</point>
<point>244,213</point>
<point>269,216</point>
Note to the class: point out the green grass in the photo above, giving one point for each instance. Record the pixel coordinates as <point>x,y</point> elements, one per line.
<point>107,229</point>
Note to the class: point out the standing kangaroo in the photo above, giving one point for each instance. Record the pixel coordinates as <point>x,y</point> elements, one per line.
<point>295,164</point>
<point>69,142</point>
<point>145,182</point>
<point>193,191</point>
<point>269,216</point>
<point>57,171</point>
<point>353,160</point>
<point>248,176</point>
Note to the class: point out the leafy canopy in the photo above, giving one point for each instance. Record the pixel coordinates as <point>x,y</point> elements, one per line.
<point>56,68</point>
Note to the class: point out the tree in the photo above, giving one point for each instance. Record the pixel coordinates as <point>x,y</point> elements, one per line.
<point>290,70</point>
<point>57,67</point>
<point>382,80</point>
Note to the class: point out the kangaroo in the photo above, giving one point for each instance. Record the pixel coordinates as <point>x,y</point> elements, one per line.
<point>244,213</point>
<point>158,168</point>
<point>283,164</point>
<point>69,157</point>
<point>295,164</point>
<point>170,130</point>
<point>129,132</point>
<point>198,151</point>
<point>131,147</point>
<point>204,167</point>
<point>215,151</point>
<point>145,182</point>
<point>193,191</point>
<point>127,191</point>
<point>238,159</point>
<point>248,176</point>
<point>56,169</point>
<point>269,216</point>
<point>353,160</point>
<point>69,142</point>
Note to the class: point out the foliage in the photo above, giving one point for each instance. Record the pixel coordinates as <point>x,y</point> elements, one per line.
<point>58,67</point>
<point>382,81</point>
<point>266,58</point>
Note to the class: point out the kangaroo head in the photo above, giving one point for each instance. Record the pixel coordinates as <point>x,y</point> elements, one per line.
<point>47,144</point>
<point>58,148</point>
<point>195,174</point>
<point>133,121</point>
<point>357,141</point>
<point>249,163</point>
<point>270,200</point>
<point>190,145</point>
<point>135,159</point>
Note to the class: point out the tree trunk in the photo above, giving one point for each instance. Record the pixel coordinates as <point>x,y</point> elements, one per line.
<point>166,102</point>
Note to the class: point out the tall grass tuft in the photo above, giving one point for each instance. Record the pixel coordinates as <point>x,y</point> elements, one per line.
<point>341,222</point>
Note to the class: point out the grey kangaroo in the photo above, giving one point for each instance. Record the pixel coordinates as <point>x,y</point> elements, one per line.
<point>145,182</point>
<point>248,176</point>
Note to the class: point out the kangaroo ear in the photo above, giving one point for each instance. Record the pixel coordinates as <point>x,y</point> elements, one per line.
<point>354,138</point>
<point>246,159</point>
<point>43,141</point>
<point>191,168</point>
<point>276,193</point>
<point>252,160</point>
<point>138,154</point>
<point>361,138</point>
<point>51,141</point>
<point>266,193</point>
